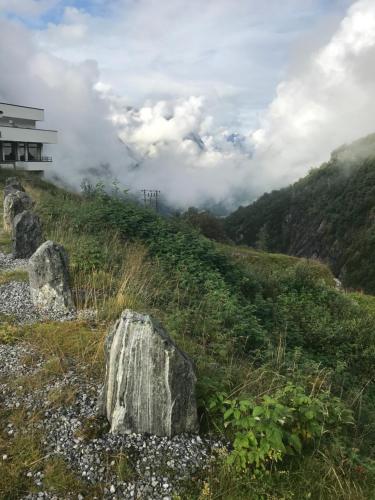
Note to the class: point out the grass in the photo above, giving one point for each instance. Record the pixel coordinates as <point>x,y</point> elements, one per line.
<point>17,275</point>
<point>315,478</point>
<point>5,242</point>
<point>23,452</point>
<point>73,343</point>
<point>60,480</point>
<point>268,263</point>
<point>250,320</point>
<point>5,238</point>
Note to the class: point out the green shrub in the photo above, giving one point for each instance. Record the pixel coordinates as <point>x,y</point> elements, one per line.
<point>268,430</point>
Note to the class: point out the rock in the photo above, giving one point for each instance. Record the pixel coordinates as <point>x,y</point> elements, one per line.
<point>338,284</point>
<point>27,234</point>
<point>149,384</point>
<point>49,278</point>
<point>15,203</point>
<point>12,184</point>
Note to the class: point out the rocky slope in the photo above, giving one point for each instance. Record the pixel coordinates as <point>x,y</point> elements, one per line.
<point>329,215</point>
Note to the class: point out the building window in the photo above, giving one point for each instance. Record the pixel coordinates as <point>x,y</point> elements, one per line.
<point>34,151</point>
<point>21,151</point>
<point>9,151</point>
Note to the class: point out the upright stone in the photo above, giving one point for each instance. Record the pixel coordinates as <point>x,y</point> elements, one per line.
<point>150,384</point>
<point>49,278</point>
<point>12,184</point>
<point>15,203</point>
<point>26,233</point>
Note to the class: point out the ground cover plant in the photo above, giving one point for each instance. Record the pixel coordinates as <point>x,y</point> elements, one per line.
<point>284,359</point>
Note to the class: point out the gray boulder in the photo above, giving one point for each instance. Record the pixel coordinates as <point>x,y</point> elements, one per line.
<point>49,278</point>
<point>12,184</point>
<point>149,384</point>
<point>26,234</point>
<point>15,203</point>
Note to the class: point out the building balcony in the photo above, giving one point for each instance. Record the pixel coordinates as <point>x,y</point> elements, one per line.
<point>42,159</point>
<point>19,134</point>
<point>22,112</point>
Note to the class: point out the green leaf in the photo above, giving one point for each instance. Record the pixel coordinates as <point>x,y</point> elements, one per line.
<point>309,415</point>
<point>228,413</point>
<point>295,441</point>
<point>258,410</point>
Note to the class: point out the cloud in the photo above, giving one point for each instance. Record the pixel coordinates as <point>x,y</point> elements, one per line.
<point>175,105</point>
<point>328,101</point>
<point>71,29</point>
<point>37,78</point>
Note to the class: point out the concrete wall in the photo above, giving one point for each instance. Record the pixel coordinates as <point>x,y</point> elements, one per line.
<point>13,111</point>
<point>15,134</point>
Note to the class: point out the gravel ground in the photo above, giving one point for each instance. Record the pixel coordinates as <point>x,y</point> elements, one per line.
<point>156,465</point>
<point>15,300</point>
<point>12,360</point>
<point>8,262</point>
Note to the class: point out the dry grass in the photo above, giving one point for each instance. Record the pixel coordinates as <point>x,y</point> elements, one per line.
<point>139,284</point>
<point>22,450</point>
<point>60,480</point>
<point>17,275</point>
<point>67,344</point>
<point>5,238</point>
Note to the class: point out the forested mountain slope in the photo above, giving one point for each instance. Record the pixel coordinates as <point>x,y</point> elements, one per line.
<point>329,215</point>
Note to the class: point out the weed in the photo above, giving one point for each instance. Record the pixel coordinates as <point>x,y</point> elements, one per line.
<point>8,276</point>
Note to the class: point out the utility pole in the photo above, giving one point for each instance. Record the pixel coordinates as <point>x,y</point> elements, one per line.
<point>151,198</point>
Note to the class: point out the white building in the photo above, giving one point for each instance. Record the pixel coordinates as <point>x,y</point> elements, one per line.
<point>20,140</point>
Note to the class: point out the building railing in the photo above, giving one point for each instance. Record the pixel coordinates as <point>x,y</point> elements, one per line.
<point>15,125</point>
<point>42,159</point>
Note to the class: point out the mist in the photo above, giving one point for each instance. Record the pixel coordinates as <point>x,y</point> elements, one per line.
<point>206,139</point>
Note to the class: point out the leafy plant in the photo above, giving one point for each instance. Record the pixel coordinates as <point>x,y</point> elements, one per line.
<point>268,430</point>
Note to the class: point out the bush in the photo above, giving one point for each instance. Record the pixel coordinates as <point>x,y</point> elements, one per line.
<point>269,430</point>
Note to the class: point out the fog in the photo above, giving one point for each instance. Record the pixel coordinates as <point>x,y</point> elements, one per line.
<point>203,141</point>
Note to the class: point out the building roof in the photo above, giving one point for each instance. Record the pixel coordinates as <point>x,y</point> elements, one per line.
<point>20,106</point>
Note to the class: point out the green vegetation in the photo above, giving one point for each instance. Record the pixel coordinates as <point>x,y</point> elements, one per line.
<point>7,276</point>
<point>284,360</point>
<point>328,214</point>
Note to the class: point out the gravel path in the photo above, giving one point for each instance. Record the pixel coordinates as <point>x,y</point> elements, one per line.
<point>13,357</point>
<point>15,299</point>
<point>155,465</point>
<point>8,262</point>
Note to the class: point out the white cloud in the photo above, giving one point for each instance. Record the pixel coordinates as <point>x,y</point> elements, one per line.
<point>170,101</point>
<point>328,102</point>
<point>70,31</point>
<point>36,78</point>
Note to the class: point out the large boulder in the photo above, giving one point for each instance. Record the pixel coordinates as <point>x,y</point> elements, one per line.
<point>27,234</point>
<point>15,203</point>
<point>49,278</point>
<point>12,184</point>
<point>149,384</point>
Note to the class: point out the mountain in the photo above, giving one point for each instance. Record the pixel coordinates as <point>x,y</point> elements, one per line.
<point>328,215</point>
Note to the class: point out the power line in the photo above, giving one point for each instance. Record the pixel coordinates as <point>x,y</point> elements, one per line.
<point>151,198</point>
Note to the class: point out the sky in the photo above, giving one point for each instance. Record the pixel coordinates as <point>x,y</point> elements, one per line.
<point>211,102</point>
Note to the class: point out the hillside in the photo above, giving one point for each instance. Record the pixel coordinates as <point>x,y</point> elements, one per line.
<point>328,215</point>
<point>284,364</point>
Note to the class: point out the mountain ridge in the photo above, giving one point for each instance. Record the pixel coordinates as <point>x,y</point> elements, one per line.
<point>328,215</point>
